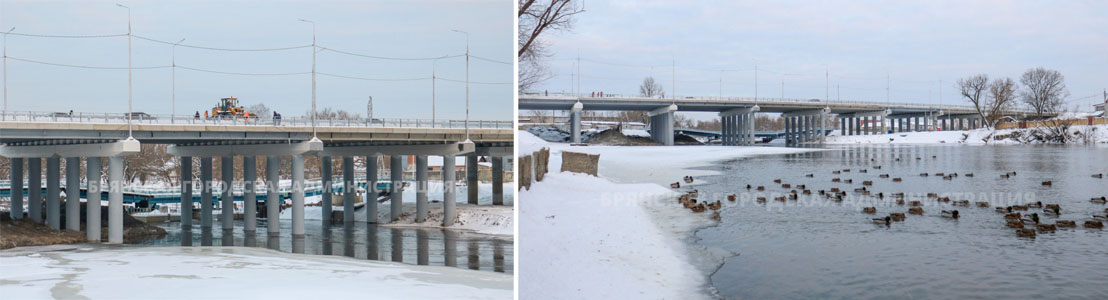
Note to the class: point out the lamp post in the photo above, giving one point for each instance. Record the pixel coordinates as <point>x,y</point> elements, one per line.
<point>6,73</point>
<point>467,81</point>
<point>174,65</point>
<point>130,92</point>
<point>314,135</point>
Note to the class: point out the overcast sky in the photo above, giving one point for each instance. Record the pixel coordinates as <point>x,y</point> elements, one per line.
<point>916,43</point>
<point>405,29</point>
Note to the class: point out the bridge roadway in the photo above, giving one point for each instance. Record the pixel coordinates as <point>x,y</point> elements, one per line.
<point>31,137</point>
<point>806,121</point>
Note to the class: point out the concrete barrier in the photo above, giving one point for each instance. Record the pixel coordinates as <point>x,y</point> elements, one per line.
<point>580,162</point>
<point>525,172</point>
<point>542,161</point>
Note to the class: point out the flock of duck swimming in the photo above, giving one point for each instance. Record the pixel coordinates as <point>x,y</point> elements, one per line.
<point>1026,225</point>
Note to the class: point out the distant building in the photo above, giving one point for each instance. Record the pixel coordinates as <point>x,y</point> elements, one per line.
<point>1101,108</point>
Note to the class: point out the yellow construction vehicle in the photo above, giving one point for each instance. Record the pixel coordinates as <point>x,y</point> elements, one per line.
<point>228,108</point>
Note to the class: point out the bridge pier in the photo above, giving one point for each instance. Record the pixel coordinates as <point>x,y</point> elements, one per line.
<point>272,196</point>
<point>297,196</point>
<point>739,125</point>
<point>575,122</point>
<point>53,190</point>
<point>421,189</point>
<point>661,124</point>
<point>497,179</point>
<point>115,199</point>
<point>249,199</point>
<point>227,197</point>
<point>326,179</point>
<point>349,188</point>
<point>805,126</point>
<point>449,199</point>
<point>92,207</point>
<point>16,210</point>
<point>73,194</point>
<point>396,190</point>
<point>371,188</point>
<point>34,189</point>
<point>206,193</point>
<point>471,178</point>
<point>186,192</point>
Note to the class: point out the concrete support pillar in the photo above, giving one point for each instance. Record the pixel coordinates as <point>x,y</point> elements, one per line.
<point>34,189</point>
<point>206,192</point>
<point>272,196</point>
<point>788,131</point>
<point>421,188</point>
<point>115,200</point>
<point>53,192</point>
<point>298,195</point>
<point>471,178</point>
<point>327,182</point>
<point>371,188</point>
<point>73,194</point>
<point>92,207</point>
<point>423,246</point>
<point>497,180</point>
<point>227,198</point>
<point>750,130</point>
<point>449,200</point>
<point>725,128</point>
<point>575,126</point>
<point>450,248</point>
<point>249,198</point>
<point>348,189</point>
<point>396,190</point>
<point>17,188</point>
<point>186,192</point>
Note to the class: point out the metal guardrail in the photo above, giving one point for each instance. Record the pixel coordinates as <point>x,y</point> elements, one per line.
<point>167,119</point>
<point>752,99</point>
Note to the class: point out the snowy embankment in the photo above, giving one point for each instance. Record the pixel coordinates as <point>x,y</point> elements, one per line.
<point>589,237</point>
<point>84,272</point>
<point>1099,134</point>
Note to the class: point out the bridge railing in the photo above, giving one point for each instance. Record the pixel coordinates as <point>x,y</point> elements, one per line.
<point>167,119</point>
<point>756,100</point>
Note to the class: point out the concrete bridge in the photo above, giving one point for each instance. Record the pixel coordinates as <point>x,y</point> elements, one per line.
<point>33,136</point>
<point>806,121</point>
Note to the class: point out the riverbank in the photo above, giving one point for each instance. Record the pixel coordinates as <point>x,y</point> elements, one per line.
<point>620,235</point>
<point>24,232</point>
<point>1098,134</point>
<point>106,272</point>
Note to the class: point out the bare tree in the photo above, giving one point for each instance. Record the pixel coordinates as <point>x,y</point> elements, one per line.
<point>1002,96</point>
<point>1045,90</point>
<point>649,88</point>
<point>973,88</point>
<point>536,17</point>
<point>260,110</point>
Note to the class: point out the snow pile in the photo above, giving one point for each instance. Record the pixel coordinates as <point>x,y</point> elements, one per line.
<point>550,134</point>
<point>528,143</point>
<point>229,272</point>
<point>974,137</point>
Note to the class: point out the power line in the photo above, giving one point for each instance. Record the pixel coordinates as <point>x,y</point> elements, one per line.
<point>66,36</point>
<point>240,73</point>
<point>473,82</point>
<point>489,60</point>
<point>389,58</point>
<point>373,79</point>
<point>222,49</point>
<point>82,66</point>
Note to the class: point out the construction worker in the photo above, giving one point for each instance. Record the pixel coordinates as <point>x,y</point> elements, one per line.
<point>205,114</point>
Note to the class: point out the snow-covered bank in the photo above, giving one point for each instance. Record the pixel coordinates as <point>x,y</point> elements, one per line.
<point>588,237</point>
<point>1099,133</point>
<point>484,219</point>
<point>100,272</point>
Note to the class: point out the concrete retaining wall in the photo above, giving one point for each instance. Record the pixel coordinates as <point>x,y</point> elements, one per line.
<point>580,162</point>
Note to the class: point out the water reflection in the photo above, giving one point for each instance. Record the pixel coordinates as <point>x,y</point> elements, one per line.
<point>421,246</point>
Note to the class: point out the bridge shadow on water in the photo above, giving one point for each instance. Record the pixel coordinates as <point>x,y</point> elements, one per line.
<point>419,246</point>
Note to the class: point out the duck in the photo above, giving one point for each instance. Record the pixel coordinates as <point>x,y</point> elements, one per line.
<point>836,180</point>
<point>1048,183</point>
<point>896,179</point>
<point>1100,217</point>
<point>1019,207</point>
<point>1004,209</point>
<point>899,201</point>
<point>1054,206</point>
<point>846,170</point>
<point>715,205</point>
<point>838,198</point>
<point>982,204</point>
<point>1033,218</point>
<point>1106,210</point>
<point>786,185</point>
<point>761,200</point>
<point>934,156</point>
<point>834,190</point>
<point>1065,223</point>
<point>886,220</point>
<point>822,192</point>
<point>915,203</point>
<point>1013,216</point>
<point>793,196</point>
<point>1014,224</point>
<point>1100,200</point>
<point>898,195</point>
<point>869,210</point>
<point>867,182</point>
<point>953,214</point>
<point>916,210</point>
<point>859,190</point>
<point>1046,227</point>
<point>1098,175</point>
<point>777,181</point>
<point>948,177</point>
<point>688,179</point>
<point>952,174</point>
<point>801,186</point>
<point>1004,176</point>
<point>1025,232</point>
<point>863,171</point>
<point>883,176</point>
<point>849,181</point>
<point>810,175</point>
<point>923,174</point>
<point>1093,224</point>
<point>761,188</point>
<point>1036,204</point>
<point>969,174</point>
<point>693,193</point>
<point>748,186</point>
<point>878,167</point>
<point>897,217</point>
<point>961,203</point>
<point>690,204</point>
<point>939,174</point>
<point>1051,212</point>
<point>684,198</point>
<point>779,199</point>
<point>880,195</point>
<point>1013,173</point>
<point>918,158</point>
<point>792,192</point>
<point>699,208</point>
<point>807,192</point>
<point>932,195</point>
<point>943,199</point>
<point>675,185</point>
<point>732,197</point>
<point>836,172</point>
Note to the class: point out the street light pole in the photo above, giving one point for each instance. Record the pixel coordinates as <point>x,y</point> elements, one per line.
<point>6,73</point>
<point>174,65</point>
<point>130,90</point>
<point>467,82</point>
<point>314,134</point>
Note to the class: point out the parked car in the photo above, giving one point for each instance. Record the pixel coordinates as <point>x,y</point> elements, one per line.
<point>138,115</point>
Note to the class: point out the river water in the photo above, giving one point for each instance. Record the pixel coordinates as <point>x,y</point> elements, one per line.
<point>418,246</point>
<point>816,248</point>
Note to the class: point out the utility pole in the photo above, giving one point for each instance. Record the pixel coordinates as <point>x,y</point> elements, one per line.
<point>782,88</point>
<point>433,62</point>
<point>174,66</point>
<point>369,110</point>
<point>673,77</point>
<point>130,93</point>
<point>314,133</point>
<point>755,82</point>
<point>720,84</point>
<point>888,99</point>
<point>838,94</point>
<point>827,84</point>
<point>6,73</point>
<point>467,80</point>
